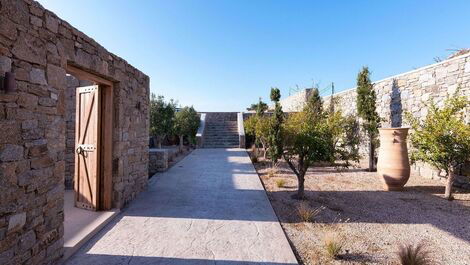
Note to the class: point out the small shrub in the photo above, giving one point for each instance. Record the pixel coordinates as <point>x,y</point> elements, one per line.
<point>333,245</point>
<point>413,255</point>
<point>280,183</point>
<point>254,159</point>
<point>306,213</point>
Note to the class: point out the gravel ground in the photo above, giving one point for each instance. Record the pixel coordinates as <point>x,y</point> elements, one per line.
<point>370,222</point>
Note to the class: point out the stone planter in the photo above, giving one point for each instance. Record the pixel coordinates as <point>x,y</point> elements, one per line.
<point>393,163</point>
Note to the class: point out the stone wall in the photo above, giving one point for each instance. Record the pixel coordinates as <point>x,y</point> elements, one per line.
<point>37,46</point>
<point>411,92</point>
<point>294,102</point>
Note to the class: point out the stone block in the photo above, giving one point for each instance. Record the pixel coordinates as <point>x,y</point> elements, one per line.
<point>27,101</point>
<point>7,28</point>
<point>453,67</point>
<point>29,49</point>
<point>10,132</point>
<point>56,76</point>
<point>16,222</point>
<point>5,64</point>
<point>29,124</point>
<point>52,23</point>
<point>36,21</point>
<point>27,241</point>
<point>467,67</point>
<point>37,150</point>
<point>47,102</point>
<point>37,76</point>
<point>10,152</point>
<point>42,162</point>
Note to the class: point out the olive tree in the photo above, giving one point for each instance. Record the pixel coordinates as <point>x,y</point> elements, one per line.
<point>366,99</point>
<point>259,126</point>
<point>345,135</point>
<point>259,107</point>
<point>186,124</point>
<point>442,139</point>
<point>307,140</point>
<point>162,116</point>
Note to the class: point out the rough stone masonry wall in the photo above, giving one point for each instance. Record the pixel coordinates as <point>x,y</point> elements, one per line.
<point>411,92</point>
<point>37,46</point>
<point>295,102</point>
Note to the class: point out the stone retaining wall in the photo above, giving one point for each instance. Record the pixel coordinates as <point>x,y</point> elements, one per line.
<point>410,92</point>
<point>37,46</point>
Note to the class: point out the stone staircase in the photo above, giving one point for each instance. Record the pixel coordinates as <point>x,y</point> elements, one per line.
<point>221,130</point>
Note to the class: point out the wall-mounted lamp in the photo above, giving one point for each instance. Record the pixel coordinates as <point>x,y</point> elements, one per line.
<point>8,83</point>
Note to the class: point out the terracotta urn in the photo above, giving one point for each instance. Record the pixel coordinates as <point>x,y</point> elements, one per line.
<point>393,163</point>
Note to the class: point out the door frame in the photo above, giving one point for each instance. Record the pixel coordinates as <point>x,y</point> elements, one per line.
<point>106,137</point>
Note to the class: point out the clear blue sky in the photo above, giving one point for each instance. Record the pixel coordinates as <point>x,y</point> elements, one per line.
<point>221,55</point>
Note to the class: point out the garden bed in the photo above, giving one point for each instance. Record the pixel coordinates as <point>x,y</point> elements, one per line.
<point>370,223</point>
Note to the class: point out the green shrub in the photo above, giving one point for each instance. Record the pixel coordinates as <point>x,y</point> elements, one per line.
<point>162,117</point>
<point>443,138</point>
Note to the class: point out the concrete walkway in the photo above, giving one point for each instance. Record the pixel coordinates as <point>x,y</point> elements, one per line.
<point>210,208</point>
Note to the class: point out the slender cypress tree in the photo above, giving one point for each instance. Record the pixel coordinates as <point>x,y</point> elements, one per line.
<point>275,136</point>
<point>314,102</point>
<point>366,109</point>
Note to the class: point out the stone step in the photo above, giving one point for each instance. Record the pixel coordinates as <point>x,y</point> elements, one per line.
<point>221,133</point>
<point>209,140</point>
<point>220,145</point>
<point>221,128</point>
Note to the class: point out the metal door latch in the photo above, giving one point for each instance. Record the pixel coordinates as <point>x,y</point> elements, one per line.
<point>83,148</point>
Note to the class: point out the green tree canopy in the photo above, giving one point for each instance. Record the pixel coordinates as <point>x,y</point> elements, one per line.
<point>187,123</point>
<point>442,139</point>
<point>314,103</point>
<point>366,109</point>
<point>162,115</point>
<point>307,140</point>
<point>259,107</point>
<point>275,130</point>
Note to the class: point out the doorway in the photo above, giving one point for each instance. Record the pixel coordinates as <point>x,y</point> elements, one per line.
<point>93,142</point>
<point>88,180</point>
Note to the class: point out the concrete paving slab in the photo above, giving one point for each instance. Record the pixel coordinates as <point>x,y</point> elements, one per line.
<point>210,208</point>
<point>80,225</point>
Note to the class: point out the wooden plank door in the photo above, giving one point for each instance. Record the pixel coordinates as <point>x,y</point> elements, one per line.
<point>87,147</point>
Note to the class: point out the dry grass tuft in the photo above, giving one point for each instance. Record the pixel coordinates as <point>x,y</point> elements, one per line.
<point>413,255</point>
<point>333,244</point>
<point>306,213</point>
<point>280,183</point>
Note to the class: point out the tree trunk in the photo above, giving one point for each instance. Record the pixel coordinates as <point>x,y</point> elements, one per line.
<point>449,183</point>
<point>264,149</point>
<point>301,189</point>
<point>371,154</point>
<point>159,142</point>
<point>181,143</point>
